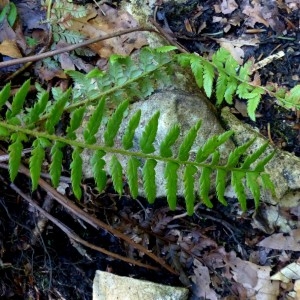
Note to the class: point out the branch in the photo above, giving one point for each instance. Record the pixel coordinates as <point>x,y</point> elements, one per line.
<point>73,47</point>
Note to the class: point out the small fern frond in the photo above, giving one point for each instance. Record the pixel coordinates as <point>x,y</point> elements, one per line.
<point>15,154</point>
<point>237,183</point>
<point>37,159</point>
<point>188,141</point>
<point>94,122</point>
<point>128,136</point>
<point>98,163</point>
<point>114,123</point>
<point>231,79</point>
<point>221,185</point>
<point>149,179</point>
<point>4,94</point>
<point>57,111</point>
<point>169,141</point>
<point>189,188</point>
<point>38,108</point>
<point>171,178</point>
<point>56,162</point>
<point>76,172</point>
<point>18,100</point>
<point>149,134</point>
<point>133,176</point>
<point>116,174</point>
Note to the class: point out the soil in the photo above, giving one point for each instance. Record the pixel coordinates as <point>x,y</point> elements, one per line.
<point>52,267</point>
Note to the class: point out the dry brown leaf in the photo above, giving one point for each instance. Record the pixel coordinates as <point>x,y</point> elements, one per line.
<point>113,21</point>
<point>255,279</point>
<point>254,13</point>
<point>234,47</point>
<point>282,241</point>
<point>202,281</point>
<point>6,32</point>
<point>10,48</point>
<point>228,6</point>
<point>288,273</point>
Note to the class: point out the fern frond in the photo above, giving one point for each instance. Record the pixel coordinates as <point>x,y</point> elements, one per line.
<point>18,100</point>
<point>133,176</point>
<point>56,162</point>
<point>15,153</point>
<point>186,145</point>
<point>199,170</point>
<point>98,163</point>
<point>237,183</point>
<point>114,123</point>
<point>169,141</point>
<point>189,188</point>
<point>128,136</point>
<point>149,179</point>
<point>4,94</point>
<point>116,174</point>
<point>94,122</point>
<point>149,134</point>
<point>76,172</point>
<point>207,160</point>
<point>57,111</point>
<point>171,178</point>
<point>37,159</point>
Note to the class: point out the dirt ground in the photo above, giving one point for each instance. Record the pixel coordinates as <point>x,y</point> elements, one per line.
<point>42,262</point>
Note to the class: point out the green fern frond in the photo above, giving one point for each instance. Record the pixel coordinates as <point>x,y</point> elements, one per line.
<point>100,90</point>
<point>206,163</point>
<point>230,79</point>
<point>62,10</point>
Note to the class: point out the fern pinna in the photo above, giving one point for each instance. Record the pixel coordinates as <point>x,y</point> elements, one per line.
<point>24,125</point>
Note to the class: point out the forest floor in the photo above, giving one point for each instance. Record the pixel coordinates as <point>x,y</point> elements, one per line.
<point>215,249</point>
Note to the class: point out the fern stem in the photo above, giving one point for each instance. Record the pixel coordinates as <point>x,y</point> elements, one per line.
<point>113,150</point>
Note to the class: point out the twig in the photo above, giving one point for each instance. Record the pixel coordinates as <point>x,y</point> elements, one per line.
<point>73,47</point>
<point>171,40</point>
<point>74,236</point>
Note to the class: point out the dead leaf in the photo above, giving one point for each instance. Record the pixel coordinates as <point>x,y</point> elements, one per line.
<point>256,279</point>
<point>254,13</point>
<point>281,241</point>
<point>228,6</point>
<point>10,48</point>
<point>234,47</point>
<point>202,281</point>
<point>288,273</point>
<point>6,32</point>
<point>113,21</point>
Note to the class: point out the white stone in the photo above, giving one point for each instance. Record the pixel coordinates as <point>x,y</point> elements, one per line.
<point>108,286</point>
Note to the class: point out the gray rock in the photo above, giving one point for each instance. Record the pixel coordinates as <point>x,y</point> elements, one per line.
<point>108,286</point>
<point>176,107</point>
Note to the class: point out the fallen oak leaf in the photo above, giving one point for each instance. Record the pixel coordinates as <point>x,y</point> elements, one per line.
<point>10,48</point>
<point>228,6</point>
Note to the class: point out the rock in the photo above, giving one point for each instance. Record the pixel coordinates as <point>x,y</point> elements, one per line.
<point>108,286</point>
<point>284,170</point>
<point>176,107</point>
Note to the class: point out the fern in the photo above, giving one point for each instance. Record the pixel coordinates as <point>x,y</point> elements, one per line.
<point>230,79</point>
<point>63,12</point>
<point>206,162</point>
<point>102,91</point>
